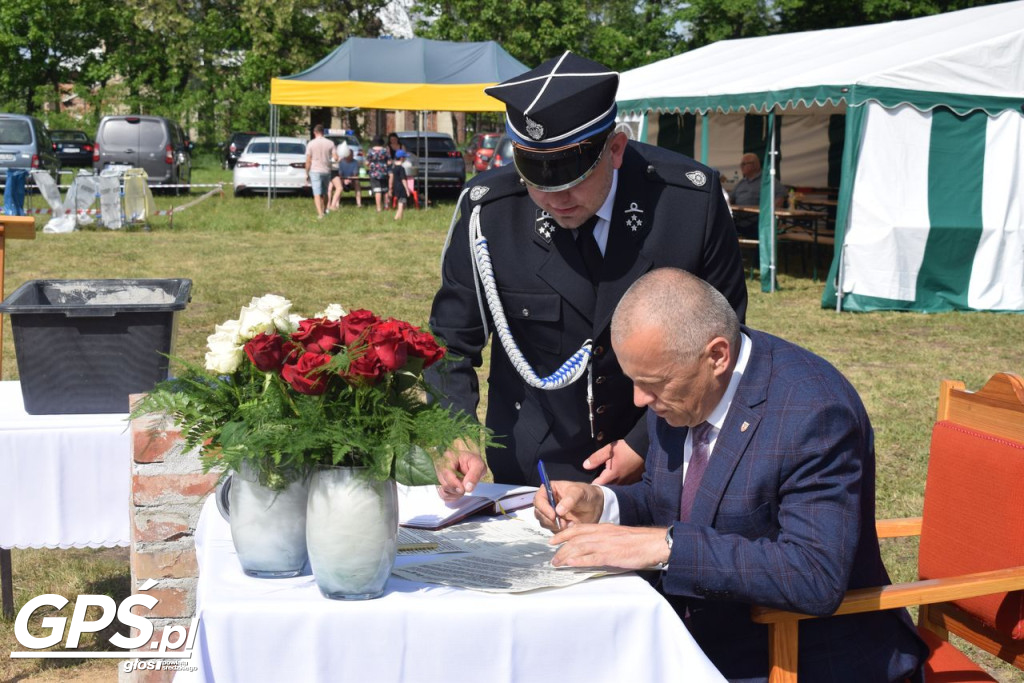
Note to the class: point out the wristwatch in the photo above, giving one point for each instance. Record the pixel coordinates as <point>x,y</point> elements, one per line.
<point>668,541</point>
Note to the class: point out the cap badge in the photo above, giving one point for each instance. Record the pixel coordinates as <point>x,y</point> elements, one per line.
<point>534,129</point>
<point>545,226</point>
<point>634,217</point>
<point>478,192</point>
<point>697,178</point>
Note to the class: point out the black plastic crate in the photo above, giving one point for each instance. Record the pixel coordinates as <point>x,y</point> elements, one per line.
<point>84,345</point>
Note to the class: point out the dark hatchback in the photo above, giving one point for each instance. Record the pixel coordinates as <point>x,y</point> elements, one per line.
<point>74,147</point>
<point>235,145</point>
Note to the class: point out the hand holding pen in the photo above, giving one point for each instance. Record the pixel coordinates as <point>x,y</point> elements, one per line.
<point>551,492</point>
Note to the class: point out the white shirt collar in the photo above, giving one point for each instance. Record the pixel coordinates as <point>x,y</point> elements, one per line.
<point>717,417</point>
<point>604,214</point>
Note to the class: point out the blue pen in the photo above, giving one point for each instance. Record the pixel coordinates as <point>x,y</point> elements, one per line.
<point>547,487</point>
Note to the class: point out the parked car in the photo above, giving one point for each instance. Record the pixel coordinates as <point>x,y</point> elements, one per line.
<point>74,147</point>
<point>152,143</point>
<point>480,149</point>
<point>234,146</point>
<point>253,168</point>
<point>502,153</point>
<point>436,158</point>
<point>351,140</point>
<point>25,143</point>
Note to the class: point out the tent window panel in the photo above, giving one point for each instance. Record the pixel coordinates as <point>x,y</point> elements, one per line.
<point>678,132</point>
<point>836,142</point>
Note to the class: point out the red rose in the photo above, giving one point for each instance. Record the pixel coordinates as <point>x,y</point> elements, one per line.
<point>423,345</point>
<point>388,340</point>
<point>267,351</point>
<point>355,323</point>
<point>303,376</point>
<point>365,370</point>
<point>319,335</point>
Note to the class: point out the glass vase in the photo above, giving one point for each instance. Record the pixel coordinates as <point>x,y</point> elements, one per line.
<point>268,527</point>
<point>351,532</point>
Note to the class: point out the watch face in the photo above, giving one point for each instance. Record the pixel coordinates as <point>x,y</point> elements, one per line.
<point>668,537</point>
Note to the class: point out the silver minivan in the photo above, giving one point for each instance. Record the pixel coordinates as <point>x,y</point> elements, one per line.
<point>152,143</point>
<point>25,143</point>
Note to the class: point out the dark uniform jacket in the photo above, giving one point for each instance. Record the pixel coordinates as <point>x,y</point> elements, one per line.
<point>668,211</point>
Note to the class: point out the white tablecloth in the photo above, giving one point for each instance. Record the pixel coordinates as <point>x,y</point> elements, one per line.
<point>615,628</point>
<point>65,480</point>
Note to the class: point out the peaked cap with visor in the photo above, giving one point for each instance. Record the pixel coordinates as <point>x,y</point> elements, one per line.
<point>559,116</point>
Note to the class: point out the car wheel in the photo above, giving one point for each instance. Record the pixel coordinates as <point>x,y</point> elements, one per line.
<point>240,192</point>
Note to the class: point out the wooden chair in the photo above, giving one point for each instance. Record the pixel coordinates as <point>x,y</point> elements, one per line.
<point>971,552</point>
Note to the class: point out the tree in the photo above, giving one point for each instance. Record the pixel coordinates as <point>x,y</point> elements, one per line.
<point>45,43</point>
<point>620,33</point>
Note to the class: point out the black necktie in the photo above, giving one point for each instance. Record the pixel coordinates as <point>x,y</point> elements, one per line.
<point>589,249</point>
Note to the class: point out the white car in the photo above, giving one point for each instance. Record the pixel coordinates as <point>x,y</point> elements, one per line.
<point>254,166</point>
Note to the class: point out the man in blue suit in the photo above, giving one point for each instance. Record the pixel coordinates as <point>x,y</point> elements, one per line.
<point>774,505</point>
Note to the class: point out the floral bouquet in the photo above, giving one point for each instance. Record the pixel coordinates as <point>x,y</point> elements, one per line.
<point>285,394</point>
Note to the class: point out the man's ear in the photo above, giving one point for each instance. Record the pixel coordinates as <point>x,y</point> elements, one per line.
<point>719,353</point>
<point>617,147</point>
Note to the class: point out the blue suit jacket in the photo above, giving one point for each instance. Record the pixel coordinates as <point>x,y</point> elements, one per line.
<point>784,517</point>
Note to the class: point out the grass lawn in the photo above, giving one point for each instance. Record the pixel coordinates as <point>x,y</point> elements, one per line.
<point>234,249</point>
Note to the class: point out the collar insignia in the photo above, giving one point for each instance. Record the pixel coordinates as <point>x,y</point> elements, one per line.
<point>634,217</point>
<point>545,226</point>
<point>534,129</point>
<point>478,192</point>
<point>697,178</point>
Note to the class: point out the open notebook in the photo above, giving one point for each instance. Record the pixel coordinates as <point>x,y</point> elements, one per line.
<point>420,507</point>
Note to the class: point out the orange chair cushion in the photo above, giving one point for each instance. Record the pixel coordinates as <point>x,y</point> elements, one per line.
<point>973,517</point>
<point>946,664</point>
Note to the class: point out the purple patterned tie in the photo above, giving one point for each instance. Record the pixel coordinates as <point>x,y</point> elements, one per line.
<point>695,470</point>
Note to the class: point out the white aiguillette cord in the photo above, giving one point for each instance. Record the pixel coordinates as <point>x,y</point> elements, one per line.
<point>571,370</point>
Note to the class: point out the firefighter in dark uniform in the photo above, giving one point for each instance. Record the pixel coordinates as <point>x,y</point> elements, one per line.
<point>537,258</point>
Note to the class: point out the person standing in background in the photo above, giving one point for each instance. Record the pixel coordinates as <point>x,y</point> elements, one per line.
<point>377,168</point>
<point>319,155</point>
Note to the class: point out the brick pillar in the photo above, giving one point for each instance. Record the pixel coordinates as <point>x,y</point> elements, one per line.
<point>168,490</point>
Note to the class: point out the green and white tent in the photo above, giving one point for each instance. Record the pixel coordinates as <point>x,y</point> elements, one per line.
<point>929,117</point>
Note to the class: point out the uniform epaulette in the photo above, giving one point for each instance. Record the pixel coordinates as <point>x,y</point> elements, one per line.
<point>495,184</point>
<point>675,169</point>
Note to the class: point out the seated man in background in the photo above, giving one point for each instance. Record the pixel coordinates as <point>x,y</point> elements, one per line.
<point>346,179</point>
<point>747,192</point>
<point>759,489</point>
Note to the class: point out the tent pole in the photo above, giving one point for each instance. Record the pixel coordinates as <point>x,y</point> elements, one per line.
<point>426,166</point>
<point>771,196</point>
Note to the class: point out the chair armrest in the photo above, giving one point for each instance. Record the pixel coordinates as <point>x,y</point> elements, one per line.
<point>909,593</point>
<point>902,526</point>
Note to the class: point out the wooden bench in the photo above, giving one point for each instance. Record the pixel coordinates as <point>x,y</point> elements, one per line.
<point>971,557</point>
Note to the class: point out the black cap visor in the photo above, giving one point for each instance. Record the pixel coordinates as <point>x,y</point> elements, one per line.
<point>561,169</point>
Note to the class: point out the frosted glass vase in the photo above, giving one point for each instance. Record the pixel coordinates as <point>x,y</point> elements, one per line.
<point>268,528</point>
<point>351,532</point>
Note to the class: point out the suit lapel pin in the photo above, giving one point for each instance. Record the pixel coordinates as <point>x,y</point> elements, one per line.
<point>744,426</point>
<point>634,217</point>
<point>544,225</point>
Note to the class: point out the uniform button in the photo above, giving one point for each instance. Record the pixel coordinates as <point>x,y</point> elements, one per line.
<point>598,350</point>
<point>518,405</point>
<point>600,380</point>
<point>600,410</point>
<point>599,436</point>
<point>526,312</point>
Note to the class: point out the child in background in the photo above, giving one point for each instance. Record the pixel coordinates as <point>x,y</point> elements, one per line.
<point>396,183</point>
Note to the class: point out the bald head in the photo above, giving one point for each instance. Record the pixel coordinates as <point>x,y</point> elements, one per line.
<point>687,310</point>
<point>750,165</point>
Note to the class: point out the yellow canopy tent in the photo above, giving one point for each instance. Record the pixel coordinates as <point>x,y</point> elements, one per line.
<point>416,74</point>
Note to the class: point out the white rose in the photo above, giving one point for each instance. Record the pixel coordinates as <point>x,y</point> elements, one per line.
<point>225,362</point>
<point>332,312</point>
<point>268,313</point>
